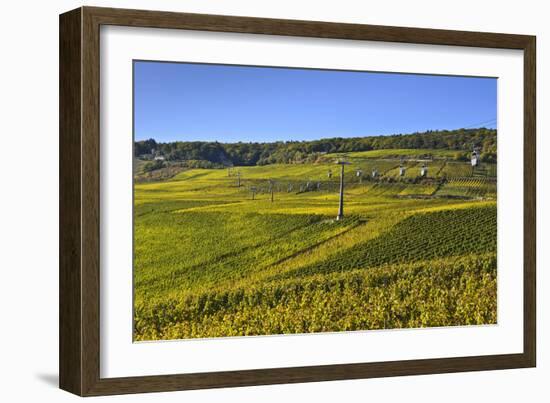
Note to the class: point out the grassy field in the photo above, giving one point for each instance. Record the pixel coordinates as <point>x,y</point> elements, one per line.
<point>216,259</point>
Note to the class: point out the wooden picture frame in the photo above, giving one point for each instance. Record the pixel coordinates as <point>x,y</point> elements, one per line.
<point>79,346</point>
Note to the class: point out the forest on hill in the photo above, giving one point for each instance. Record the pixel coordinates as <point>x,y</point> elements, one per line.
<point>249,154</point>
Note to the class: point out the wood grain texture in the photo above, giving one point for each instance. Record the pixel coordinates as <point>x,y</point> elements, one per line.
<point>530,202</point>
<point>305,374</point>
<point>80,201</point>
<point>70,275</point>
<point>316,29</point>
<point>90,202</point>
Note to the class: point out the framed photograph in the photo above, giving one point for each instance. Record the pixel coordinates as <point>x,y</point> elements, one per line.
<point>249,201</point>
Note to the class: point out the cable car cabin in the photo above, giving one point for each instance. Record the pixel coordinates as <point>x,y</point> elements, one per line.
<point>374,173</point>
<point>475,158</point>
<point>402,170</point>
<point>424,170</point>
<point>358,173</point>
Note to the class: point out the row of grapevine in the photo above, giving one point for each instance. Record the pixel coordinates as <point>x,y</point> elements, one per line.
<point>469,187</point>
<point>421,236</point>
<point>218,247</point>
<point>450,292</point>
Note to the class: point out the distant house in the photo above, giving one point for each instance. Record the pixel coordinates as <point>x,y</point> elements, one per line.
<point>424,170</point>
<point>147,157</point>
<point>475,158</point>
<point>159,158</point>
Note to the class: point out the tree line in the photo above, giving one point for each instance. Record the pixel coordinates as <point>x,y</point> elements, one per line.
<point>247,154</point>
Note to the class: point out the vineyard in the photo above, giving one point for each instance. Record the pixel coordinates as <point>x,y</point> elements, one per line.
<point>469,188</point>
<point>422,236</point>
<point>254,250</point>
<point>437,293</point>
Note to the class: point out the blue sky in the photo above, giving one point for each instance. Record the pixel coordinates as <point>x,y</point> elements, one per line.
<point>200,102</point>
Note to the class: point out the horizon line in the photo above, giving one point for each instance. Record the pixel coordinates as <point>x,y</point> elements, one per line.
<point>319,139</point>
